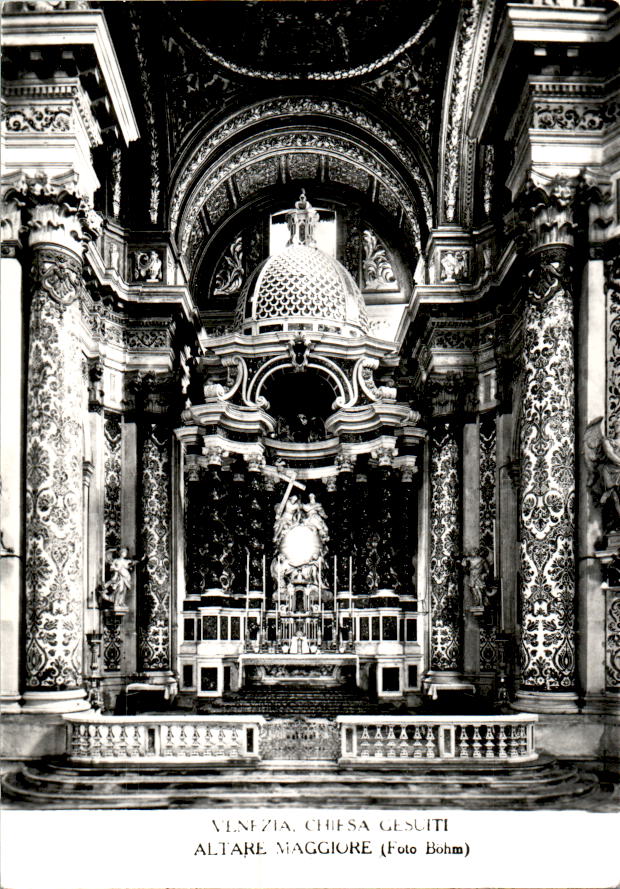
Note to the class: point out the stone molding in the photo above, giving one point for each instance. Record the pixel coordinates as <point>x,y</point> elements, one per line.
<point>33,107</point>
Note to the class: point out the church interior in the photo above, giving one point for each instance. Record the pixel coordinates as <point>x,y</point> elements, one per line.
<point>310,402</point>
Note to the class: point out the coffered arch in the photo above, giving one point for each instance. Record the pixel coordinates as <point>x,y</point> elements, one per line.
<point>320,140</point>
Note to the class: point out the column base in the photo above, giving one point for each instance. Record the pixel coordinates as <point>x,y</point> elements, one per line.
<point>70,701</point>
<point>10,703</point>
<point>546,701</point>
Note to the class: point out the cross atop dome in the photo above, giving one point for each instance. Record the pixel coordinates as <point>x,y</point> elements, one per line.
<point>302,223</point>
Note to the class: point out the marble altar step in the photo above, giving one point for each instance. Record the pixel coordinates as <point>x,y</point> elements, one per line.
<point>56,783</point>
<point>275,701</point>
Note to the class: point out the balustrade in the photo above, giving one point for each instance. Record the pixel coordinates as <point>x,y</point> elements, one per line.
<point>363,739</point>
<point>161,738</point>
<point>474,738</point>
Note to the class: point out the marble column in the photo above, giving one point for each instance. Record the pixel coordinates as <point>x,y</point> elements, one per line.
<point>56,403</point>
<point>11,456</point>
<point>343,524</point>
<point>446,610</point>
<point>384,505</point>
<point>156,575</point>
<point>547,502</point>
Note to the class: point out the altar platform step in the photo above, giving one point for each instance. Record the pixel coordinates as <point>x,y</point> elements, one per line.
<point>276,702</point>
<point>546,783</point>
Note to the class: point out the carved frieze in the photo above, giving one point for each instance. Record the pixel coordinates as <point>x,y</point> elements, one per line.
<point>37,118</point>
<point>572,116</point>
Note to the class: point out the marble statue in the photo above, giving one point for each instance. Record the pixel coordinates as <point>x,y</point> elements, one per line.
<point>602,457</point>
<point>114,591</point>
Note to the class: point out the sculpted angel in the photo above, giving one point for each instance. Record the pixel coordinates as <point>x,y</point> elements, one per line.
<point>602,456</point>
<point>316,517</point>
<point>114,590</point>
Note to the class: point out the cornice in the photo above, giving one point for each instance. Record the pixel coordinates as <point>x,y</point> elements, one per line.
<point>77,28</point>
<point>557,24</point>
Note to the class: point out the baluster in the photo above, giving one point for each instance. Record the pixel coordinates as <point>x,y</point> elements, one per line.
<point>195,742</point>
<point>418,749</point>
<point>123,739</point>
<point>463,742</point>
<point>431,750</point>
<point>513,745</point>
<point>364,747</point>
<point>489,744</point>
<point>183,739</point>
<point>391,741</point>
<point>378,745</point>
<point>404,741</point>
<point>477,746</point>
<point>501,744</point>
<point>236,739</point>
<point>522,740</point>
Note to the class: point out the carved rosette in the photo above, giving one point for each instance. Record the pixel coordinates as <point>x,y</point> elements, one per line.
<point>56,400</point>
<point>154,596</point>
<point>547,508</point>
<point>445,548</point>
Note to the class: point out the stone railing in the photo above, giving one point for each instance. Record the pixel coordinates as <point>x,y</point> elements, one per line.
<point>425,738</point>
<point>350,740</point>
<point>102,738</point>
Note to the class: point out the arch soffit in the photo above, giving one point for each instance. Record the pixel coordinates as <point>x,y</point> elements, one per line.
<point>196,180</point>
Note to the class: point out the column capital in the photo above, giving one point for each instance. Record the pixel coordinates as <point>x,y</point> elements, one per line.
<point>551,211</point>
<point>52,209</point>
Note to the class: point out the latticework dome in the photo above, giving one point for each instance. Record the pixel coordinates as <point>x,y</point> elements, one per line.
<point>301,285</point>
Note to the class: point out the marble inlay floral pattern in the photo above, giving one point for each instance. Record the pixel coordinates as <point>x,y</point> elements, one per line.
<point>445,549</point>
<point>54,476</point>
<point>547,508</point>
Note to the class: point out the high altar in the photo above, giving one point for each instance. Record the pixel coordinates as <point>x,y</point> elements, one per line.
<point>310,379</point>
<point>300,490</point>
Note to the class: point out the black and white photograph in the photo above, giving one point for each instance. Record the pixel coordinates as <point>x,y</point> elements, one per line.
<point>310,464</point>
